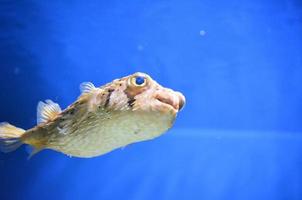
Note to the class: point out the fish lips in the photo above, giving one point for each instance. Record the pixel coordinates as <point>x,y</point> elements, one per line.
<point>176,100</point>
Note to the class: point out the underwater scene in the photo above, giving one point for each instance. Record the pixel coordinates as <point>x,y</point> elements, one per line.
<point>151,100</point>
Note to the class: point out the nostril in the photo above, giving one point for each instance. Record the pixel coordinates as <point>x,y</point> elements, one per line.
<point>181,101</point>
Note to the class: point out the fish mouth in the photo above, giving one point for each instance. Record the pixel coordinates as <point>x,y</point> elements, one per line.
<point>168,101</point>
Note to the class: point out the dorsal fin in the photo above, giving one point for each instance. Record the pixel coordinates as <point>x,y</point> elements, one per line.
<point>47,111</point>
<point>87,87</point>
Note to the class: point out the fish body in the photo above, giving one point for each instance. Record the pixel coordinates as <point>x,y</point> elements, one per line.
<point>127,110</point>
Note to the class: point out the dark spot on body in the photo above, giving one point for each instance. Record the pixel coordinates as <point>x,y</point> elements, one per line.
<point>131,102</point>
<point>108,97</point>
<point>137,131</point>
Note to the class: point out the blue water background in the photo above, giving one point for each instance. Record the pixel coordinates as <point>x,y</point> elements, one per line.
<point>239,64</point>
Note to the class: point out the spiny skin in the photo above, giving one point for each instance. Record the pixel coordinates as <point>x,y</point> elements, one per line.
<point>109,117</point>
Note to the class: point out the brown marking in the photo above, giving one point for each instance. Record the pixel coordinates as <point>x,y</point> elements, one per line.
<point>131,91</point>
<point>131,102</point>
<point>108,97</point>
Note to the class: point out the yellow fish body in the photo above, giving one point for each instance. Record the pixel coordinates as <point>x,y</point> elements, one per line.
<point>127,110</point>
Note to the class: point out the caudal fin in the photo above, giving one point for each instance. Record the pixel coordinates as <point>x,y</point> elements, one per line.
<point>10,137</point>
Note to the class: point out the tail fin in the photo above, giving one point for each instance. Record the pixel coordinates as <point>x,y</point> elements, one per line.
<point>10,137</point>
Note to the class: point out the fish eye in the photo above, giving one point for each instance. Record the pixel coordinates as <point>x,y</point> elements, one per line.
<point>138,81</point>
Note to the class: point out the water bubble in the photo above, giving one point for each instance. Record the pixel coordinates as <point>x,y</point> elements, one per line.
<point>202,32</point>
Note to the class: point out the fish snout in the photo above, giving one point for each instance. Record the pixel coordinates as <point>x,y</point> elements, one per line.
<point>171,98</point>
<point>181,100</point>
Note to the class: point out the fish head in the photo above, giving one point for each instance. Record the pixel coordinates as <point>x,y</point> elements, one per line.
<point>140,95</point>
<point>145,95</point>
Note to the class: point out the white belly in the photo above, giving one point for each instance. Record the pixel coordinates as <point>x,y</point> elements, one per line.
<point>100,135</point>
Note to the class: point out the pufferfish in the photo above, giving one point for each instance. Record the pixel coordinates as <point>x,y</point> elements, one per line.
<point>128,110</point>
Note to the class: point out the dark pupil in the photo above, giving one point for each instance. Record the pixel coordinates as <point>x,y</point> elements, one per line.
<point>139,80</point>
